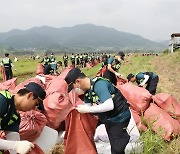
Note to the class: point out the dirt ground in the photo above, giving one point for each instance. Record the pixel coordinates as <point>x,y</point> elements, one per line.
<point>168,69</point>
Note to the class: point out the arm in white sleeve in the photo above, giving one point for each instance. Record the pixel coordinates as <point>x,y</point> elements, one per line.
<point>108,105</point>
<point>146,77</point>
<point>6,145</point>
<point>13,136</point>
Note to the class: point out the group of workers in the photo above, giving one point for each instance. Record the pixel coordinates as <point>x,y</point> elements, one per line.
<point>100,95</point>
<point>103,99</point>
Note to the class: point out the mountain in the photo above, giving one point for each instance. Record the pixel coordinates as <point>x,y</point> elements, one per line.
<point>79,36</point>
<point>163,42</point>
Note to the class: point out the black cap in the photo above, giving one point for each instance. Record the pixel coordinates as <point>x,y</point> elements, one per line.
<point>38,91</point>
<point>130,76</point>
<point>72,75</point>
<point>121,54</point>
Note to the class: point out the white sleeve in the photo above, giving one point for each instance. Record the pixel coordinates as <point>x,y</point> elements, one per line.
<point>6,144</point>
<point>104,107</point>
<point>12,136</point>
<point>146,77</point>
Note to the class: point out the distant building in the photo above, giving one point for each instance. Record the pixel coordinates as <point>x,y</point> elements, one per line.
<point>174,42</point>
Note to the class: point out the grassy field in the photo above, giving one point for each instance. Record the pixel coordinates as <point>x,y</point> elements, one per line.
<point>167,66</point>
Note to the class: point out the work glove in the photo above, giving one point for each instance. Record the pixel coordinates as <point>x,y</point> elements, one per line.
<point>83,108</point>
<point>23,147</point>
<point>118,74</point>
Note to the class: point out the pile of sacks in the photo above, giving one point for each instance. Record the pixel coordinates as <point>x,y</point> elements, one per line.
<point>59,107</point>
<point>162,111</point>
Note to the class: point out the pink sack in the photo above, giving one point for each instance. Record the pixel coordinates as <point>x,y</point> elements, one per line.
<point>21,85</point>
<point>58,84</point>
<point>32,123</point>
<point>79,136</point>
<point>137,97</point>
<point>88,65</point>
<point>9,84</point>
<point>74,99</point>
<point>40,69</point>
<point>57,107</point>
<point>36,150</point>
<point>168,103</point>
<point>162,120</point>
<point>138,121</point>
<point>2,71</point>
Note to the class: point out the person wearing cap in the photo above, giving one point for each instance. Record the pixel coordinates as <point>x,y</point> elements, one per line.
<point>7,64</point>
<point>114,63</point>
<point>26,99</point>
<point>142,78</point>
<point>103,99</point>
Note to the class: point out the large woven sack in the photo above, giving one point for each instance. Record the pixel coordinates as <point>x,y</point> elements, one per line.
<point>36,150</point>
<point>138,121</point>
<point>21,85</point>
<point>162,122</point>
<point>57,107</point>
<point>32,123</point>
<point>2,71</point>
<point>58,84</point>
<point>40,69</point>
<point>9,84</point>
<point>168,103</point>
<point>79,136</point>
<point>138,97</point>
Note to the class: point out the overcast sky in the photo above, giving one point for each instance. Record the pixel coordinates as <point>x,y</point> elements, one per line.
<point>152,19</point>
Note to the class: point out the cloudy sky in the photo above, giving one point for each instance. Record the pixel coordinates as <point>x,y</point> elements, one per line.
<point>152,19</point>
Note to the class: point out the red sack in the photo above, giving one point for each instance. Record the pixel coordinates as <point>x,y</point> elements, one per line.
<point>121,81</point>
<point>79,136</point>
<point>58,84</point>
<point>74,99</point>
<point>88,65</point>
<point>138,121</point>
<point>40,69</point>
<point>162,120</point>
<point>137,97</point>
<point>9,84</point>
<point>57,107</point>
<point>36,150</point>
<point>21,85</point>
<point>168,103</point>
<point>48,78</point>
<point>32,123</point>
<point>2,71</point>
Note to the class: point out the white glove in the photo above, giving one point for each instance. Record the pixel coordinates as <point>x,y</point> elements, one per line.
<point>23,147</point>
<point>117,74</point>
<point>83,108</point>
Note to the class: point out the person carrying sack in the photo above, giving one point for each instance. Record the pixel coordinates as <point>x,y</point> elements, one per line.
<point>103,99</point>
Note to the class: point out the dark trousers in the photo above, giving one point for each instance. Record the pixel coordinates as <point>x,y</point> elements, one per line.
<point>111,76</point>
<point>47,69</point>
<point>8,72</point>
<point>152,85</point>
<point>118,136</point>
<point>65,63</point>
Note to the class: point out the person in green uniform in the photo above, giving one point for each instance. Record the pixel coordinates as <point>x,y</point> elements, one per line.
<point>26,99</point>
<point>7,64</point>
<point>114,63</point>
<point>47,67</point>
<point>103,99</point>
<point>142,78</point>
